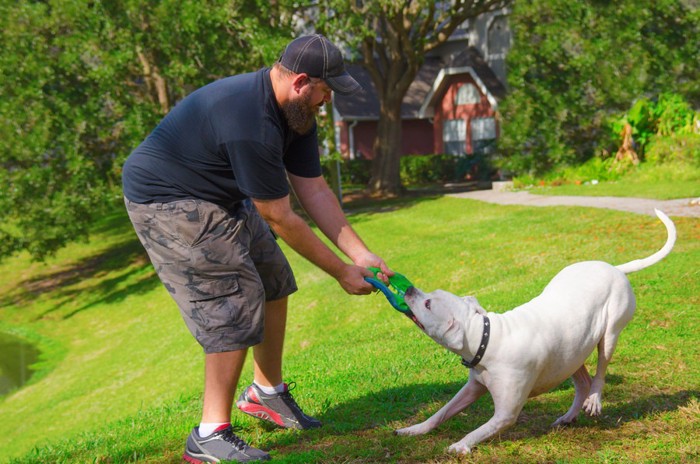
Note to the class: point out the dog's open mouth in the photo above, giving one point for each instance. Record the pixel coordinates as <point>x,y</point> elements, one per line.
<point>415,320</point>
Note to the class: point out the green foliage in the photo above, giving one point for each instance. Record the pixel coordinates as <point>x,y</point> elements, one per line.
<point>674,115</point>
<point>430,169</point>
<point>352,172</point>
<point>652,120</point>
<point>84,82</point>
<point>643,121</point>
<point>663,180</point>
<point>415,169</point>
<point>680,148</point>
<point>596,169</point>
<point>574,65</point>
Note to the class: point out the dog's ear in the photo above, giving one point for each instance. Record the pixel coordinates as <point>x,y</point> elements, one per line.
<point>473,303</point>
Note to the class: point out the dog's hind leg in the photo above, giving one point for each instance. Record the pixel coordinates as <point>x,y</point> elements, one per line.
<point>469,393</point>
<point>606,347</point>
<point>582,386</point>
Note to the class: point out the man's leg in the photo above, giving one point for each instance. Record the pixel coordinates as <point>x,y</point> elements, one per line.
<point>221,374</point>
<point>268,354</point>
<point>278,407</point>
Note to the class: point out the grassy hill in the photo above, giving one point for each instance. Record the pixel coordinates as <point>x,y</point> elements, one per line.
<point>120,378</point>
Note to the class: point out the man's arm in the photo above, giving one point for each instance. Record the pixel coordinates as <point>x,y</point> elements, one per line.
<point>297,234</point>
<point>323,208</point>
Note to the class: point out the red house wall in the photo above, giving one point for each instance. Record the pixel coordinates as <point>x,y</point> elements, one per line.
<point>420,136</point>
<point>447,109</point>
<point>417,138</point>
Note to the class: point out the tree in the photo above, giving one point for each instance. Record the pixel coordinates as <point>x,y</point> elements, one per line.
<point>83,82</point>
<point>393,38</point>
<point>575,66</point>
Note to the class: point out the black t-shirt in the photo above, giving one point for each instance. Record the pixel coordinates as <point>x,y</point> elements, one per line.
<point>224,142</point>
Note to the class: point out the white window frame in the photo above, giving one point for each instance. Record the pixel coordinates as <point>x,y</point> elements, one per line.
<point>454,134</point>
<point>467,94</point>
<point>483,128</point>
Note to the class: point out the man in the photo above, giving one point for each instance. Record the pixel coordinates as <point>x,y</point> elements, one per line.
<point>203,191</point>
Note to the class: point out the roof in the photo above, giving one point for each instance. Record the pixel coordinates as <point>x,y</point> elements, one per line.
<point>430,82</point>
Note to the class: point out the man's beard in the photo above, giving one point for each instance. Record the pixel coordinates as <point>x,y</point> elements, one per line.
<point>300,115</point>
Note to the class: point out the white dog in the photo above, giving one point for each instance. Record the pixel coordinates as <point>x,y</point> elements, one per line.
<point>534,347</point>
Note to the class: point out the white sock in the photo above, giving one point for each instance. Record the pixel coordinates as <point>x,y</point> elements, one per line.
<point>207,428</point>
<point>271,390</point>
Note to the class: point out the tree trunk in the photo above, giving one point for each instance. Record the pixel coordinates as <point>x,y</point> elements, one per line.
<point>157,86</point>
<point>386,166</point>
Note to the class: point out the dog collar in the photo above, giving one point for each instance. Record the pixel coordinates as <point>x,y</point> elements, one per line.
<point>482,346</point>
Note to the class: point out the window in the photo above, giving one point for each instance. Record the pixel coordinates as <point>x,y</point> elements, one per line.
<point>483,128</point>
<point>483,135</point>
<point>454,136</point>
<point>467,94</point>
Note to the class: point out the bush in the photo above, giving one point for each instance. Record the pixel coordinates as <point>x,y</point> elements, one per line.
<point>429,169</point>
<point>595,169</point>
<point>415,169</point>
<point>683,148</point>
<point>352,172</point>
<point>666,116</point>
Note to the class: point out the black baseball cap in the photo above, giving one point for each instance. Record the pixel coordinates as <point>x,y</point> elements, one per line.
<point>318,57</point>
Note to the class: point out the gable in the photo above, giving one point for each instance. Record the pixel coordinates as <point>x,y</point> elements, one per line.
<point>431,81</point>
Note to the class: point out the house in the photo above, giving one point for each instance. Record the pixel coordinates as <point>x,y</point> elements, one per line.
<point>451,107</point>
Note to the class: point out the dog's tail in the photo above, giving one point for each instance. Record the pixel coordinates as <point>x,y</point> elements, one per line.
<point>639,264</point>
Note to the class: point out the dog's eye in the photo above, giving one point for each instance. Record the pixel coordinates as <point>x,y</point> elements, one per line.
<point>427,304</point>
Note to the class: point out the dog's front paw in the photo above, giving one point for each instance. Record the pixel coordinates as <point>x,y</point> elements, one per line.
<point>459,448</point>
<point>418,429</point>
<point>593,405</point>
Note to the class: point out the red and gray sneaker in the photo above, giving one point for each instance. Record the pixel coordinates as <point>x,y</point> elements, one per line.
<point>222,445</point>
<point>280,408</point>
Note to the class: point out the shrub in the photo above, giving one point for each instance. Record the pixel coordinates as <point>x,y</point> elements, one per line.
<point>683,148</point>
<point>595,169</point>
<point>666,116</point>
<point>428,169</point>
<point>352,172</point>
<point>415,169</point>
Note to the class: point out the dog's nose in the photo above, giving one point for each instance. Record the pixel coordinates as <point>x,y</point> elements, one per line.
<point>410,290</point>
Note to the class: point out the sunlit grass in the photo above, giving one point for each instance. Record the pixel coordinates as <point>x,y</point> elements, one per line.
<point>122,376</point>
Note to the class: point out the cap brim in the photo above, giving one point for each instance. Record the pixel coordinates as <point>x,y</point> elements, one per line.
<point>344,84</point>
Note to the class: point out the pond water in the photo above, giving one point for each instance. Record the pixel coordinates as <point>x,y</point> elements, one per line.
<point>16,357</point>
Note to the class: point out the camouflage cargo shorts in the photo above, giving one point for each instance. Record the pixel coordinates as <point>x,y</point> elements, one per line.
<point>219,266</point>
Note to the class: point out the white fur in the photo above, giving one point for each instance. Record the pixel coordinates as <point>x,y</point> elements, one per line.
<point>536,346</point>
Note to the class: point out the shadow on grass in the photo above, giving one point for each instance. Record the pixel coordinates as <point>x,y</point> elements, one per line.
<point>107,276</point>
<point>357,431</point>
<point>362,430</point>
<point>123,268</point>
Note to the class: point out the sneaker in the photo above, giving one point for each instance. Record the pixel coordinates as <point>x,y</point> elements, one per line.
<point>280,408</point>
<point>222,445</point>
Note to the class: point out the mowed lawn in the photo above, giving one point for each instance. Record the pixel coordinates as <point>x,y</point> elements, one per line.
<point>120,378</point>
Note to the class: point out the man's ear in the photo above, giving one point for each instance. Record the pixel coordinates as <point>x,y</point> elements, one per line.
<point>299,81</point>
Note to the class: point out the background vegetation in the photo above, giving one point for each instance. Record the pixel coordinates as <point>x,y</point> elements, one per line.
<point>578,69</point>
<point>83,82</point>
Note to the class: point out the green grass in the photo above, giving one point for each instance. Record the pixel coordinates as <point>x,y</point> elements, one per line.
<point>120,378</point>
<point>663,182</point>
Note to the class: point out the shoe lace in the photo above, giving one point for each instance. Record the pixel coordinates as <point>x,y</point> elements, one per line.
<point>229,436</point>
<point>289,399</point>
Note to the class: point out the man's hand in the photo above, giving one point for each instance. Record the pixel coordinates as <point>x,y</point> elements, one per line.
<point>352,279</point>
<point>369,259</point>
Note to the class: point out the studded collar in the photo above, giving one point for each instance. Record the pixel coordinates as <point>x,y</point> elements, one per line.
<point>482,346</point>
